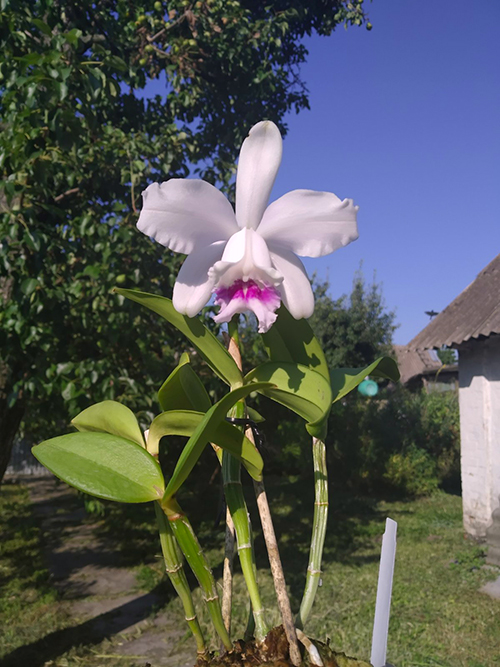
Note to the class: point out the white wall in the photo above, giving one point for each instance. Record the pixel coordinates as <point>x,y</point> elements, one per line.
<point>479,382</point>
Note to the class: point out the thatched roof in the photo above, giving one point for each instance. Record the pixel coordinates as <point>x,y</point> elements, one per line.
<point>474,313</point>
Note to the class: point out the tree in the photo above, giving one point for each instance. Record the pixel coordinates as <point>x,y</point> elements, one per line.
<point>447,356</point>
<point>353,330</point>
<point>78,143</point>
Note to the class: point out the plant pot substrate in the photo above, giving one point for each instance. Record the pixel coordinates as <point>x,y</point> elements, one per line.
<point>273,652</point>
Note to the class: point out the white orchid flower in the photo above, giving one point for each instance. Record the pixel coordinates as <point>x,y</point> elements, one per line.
<point>247,258</point>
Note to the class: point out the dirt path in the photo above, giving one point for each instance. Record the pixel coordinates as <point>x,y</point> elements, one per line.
<point>102,597</point>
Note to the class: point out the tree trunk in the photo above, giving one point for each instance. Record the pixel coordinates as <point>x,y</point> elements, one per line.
<point>10,418</point>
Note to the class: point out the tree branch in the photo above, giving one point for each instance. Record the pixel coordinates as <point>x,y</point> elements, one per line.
<point>62,196</point>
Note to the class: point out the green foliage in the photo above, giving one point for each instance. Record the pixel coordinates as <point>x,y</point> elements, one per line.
<point>412,471</point>
<point>103,465</point>
<point>108,459</point>
<point>183,389</point>
<point>291,340</point>
<point>410,442</point>
<point>93,506</point>
<point>209,347</point>
<point>447,356</point>
<point>147,578</point>
<point>205,432</point>
<point>335,326</point>
<point>356,329</point>
<point>298,368</point>
<point>79,141</point>
<point>344,380</point>
<point>299,388</point>
<point>226,436</point>
<point>110,417</point>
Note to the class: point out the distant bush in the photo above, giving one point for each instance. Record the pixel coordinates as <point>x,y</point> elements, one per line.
<point>412,471</point>
<point>402,440</point>
<point>399,441</point>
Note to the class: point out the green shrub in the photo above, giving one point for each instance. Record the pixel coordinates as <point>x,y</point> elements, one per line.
<point>412,471</point>
<point>93,506</point>
<point>407,441</point>
<point>399,441</point>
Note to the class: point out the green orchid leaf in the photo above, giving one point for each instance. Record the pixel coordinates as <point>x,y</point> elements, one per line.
<point>226,436</point>
<point>103,465</point>
<point>345,380</point>
<point>254,415</point>
<point>385,367</point>
<point>299,388</point>
<point>183,389</point>
<point>292,340</point>
<point>110,417</point>
<point>209,347</point>
<point>205,432</point>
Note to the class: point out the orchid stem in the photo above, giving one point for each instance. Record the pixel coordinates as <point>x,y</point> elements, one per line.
<point>186,538</point>
<point>313,576</point>
<point>236,503</point>
<point>176,574</point>
<point>268,530</point>
<point>233,490</point>
<point>227,576</point>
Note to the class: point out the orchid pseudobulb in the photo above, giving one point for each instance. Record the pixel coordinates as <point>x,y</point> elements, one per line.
<point>246,258</point>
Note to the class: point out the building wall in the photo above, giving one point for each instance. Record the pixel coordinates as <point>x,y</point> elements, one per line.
<point>22,462</point>
<point>479,394</point>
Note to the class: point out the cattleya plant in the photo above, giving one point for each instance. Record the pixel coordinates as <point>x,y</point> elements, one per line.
<point>247,259</point>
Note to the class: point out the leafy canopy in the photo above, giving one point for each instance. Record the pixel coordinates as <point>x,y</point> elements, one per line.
<point>81,137</point>
<point>356,329</point>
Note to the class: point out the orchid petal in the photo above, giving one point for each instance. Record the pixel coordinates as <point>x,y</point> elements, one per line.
<point>310,223</point>
<point>193,287</point>
<point>246,257</point>
<point>182,214</point>
<point>296,292</point>
<point>259,161</point>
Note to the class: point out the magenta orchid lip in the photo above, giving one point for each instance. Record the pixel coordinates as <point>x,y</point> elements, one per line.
<point>247,295</point>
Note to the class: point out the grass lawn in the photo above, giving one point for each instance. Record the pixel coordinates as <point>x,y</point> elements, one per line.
<point>29,608</point>
<point>439,619</point>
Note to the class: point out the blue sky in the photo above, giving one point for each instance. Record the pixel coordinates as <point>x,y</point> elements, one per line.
<point>405,119</point>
